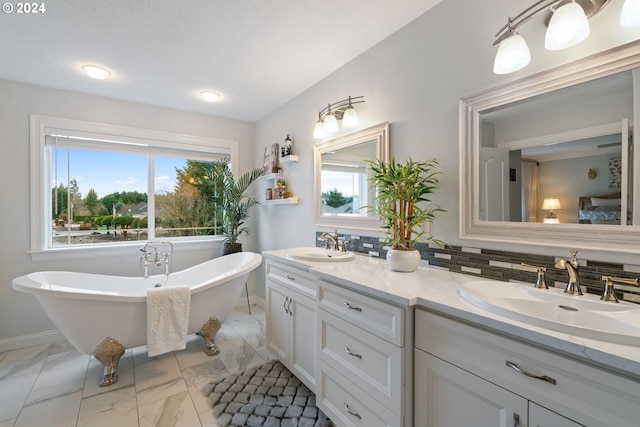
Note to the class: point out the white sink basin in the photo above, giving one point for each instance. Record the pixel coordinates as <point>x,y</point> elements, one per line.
<point>584,316</point>
<point>318,255</point>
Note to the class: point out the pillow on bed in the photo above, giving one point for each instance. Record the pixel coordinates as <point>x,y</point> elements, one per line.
<point>596,201</point>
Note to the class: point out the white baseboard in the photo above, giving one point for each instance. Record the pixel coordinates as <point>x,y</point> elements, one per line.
<point>23,341</point>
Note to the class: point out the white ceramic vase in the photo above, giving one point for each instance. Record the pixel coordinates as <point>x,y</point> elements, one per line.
<point>404,261</point>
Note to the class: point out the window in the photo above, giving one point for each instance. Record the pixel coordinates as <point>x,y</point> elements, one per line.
<point>345,188</point>
<point>102,185</point>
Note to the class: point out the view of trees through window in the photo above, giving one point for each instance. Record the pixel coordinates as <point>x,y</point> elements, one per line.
<point>105,197</point>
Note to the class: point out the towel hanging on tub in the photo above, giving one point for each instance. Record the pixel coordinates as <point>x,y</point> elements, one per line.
<point>167,319</point>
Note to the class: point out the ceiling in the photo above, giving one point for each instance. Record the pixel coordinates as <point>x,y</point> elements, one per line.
<point>257,54</point>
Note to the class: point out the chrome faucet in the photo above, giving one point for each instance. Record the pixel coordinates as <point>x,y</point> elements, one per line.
<point>609,294</point>
<point>151,255</point>
<point>330,237</point>
<point>540,283</point>
<point>572,266</point>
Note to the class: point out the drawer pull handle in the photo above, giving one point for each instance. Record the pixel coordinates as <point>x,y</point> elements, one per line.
<point>516,420</point>
<point>350,307</point>
<point>286,300</point>
<point>289,307</point>
<point>290,277</point>
<point>350,412</point>
<point>529,374</point>
<point>350,353</point>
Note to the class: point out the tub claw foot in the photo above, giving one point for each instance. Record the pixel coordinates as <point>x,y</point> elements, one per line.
<point>109,353</point>
<point>208,333</point>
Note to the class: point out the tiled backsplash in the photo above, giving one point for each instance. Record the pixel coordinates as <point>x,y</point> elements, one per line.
<point>504,265</point>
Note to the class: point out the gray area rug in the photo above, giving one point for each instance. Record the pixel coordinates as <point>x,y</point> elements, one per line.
<point>268,396</point>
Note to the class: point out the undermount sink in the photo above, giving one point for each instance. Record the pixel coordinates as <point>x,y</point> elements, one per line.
<point>318,255</point>
<point>584,316</point>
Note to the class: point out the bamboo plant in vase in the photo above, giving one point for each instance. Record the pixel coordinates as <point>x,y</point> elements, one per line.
<point>235,201</point>
<point>405,208</point>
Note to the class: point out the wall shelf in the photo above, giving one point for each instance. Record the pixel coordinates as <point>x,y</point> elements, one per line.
<point>288,201</point>
<point>274,176</point>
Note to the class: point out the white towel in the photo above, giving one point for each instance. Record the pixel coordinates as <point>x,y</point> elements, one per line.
<point>167,319</point>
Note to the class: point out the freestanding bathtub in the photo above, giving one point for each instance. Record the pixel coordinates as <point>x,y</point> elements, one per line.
<point>102,315</point>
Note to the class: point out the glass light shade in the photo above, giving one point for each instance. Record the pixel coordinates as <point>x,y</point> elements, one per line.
<point>318,130</point>
<point>568,26</point>
<point>350,118</point>
<point>96,72</point>
<point>331,123</point>
<point>630,15</point>
<point>551,204</point>
<point>209,96</point>
<point>513,54</point>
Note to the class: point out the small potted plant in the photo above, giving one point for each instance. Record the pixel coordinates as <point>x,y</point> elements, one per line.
<point>235,202</point>
<point>404,206</point>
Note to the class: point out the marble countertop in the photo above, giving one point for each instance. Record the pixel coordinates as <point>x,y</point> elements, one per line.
<point>437,290</point>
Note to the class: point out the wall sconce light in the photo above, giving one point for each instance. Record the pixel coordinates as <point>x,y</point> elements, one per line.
<point>568,25</point>
<point>342,110</point>
<point>551,205</point>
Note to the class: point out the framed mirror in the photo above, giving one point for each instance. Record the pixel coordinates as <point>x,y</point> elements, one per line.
<point>549,159</point>
<point>341,178</point>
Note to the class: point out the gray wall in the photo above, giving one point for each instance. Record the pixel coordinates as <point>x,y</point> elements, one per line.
<point>20,314</point>
<point>414,79</point>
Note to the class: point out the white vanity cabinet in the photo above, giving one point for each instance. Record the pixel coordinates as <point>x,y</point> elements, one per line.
<point>465,375</point>
<point>291,320</point>
<point>364,368</point>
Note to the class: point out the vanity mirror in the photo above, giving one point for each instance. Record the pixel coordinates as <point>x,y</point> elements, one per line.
<point>564,134</point>
<point>341,178</point>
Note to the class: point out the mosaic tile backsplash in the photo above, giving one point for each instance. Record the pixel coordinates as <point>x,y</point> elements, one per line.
<point>505,265</point>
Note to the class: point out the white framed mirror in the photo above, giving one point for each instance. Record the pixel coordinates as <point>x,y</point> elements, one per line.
<point>341,178</point>
<point>563,136</point>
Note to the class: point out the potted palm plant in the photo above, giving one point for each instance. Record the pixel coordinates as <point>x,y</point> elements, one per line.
<point>232,196</point>
<point>404,206</point>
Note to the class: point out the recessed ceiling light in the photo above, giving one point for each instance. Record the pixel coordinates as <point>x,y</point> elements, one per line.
<point>209,96</point>
<point>96,72</point>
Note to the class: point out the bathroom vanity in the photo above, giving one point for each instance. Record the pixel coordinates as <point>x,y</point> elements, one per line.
<point>405,349</point>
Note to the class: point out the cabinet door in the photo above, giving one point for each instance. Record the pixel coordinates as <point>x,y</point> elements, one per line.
<point>446,395</point>
<point>302,357</point>
<point>277,333</point>
<point>542,417</point>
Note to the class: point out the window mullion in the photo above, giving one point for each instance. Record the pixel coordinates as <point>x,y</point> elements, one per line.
<point>151,199</point>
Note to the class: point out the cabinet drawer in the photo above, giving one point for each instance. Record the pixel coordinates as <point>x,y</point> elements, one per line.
<point>301,281</point>
<point>371,363</point>
<point>346,405</point>
<point>584,393</point>
<point>379,318</point>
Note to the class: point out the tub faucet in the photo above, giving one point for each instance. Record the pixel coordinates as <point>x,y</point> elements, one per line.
<point>151,255</point>
<point>572,266</point>
<point>330,237</point>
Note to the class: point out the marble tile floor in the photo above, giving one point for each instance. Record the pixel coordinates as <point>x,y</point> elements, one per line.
<point>54,385</point>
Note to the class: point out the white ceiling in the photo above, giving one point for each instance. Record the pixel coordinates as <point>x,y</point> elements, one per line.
<point>258,54</point>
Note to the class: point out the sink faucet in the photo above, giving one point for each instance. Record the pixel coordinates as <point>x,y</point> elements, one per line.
<point>571,265</point>
<point>330,237</point>
<point>609,294</point>
<point>540,283</point>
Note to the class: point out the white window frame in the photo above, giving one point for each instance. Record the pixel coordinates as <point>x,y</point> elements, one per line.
<point>41,125</point>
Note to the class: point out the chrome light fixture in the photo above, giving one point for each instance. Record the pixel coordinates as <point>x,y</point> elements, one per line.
<point>342,110</point>
<point>568,25</point>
